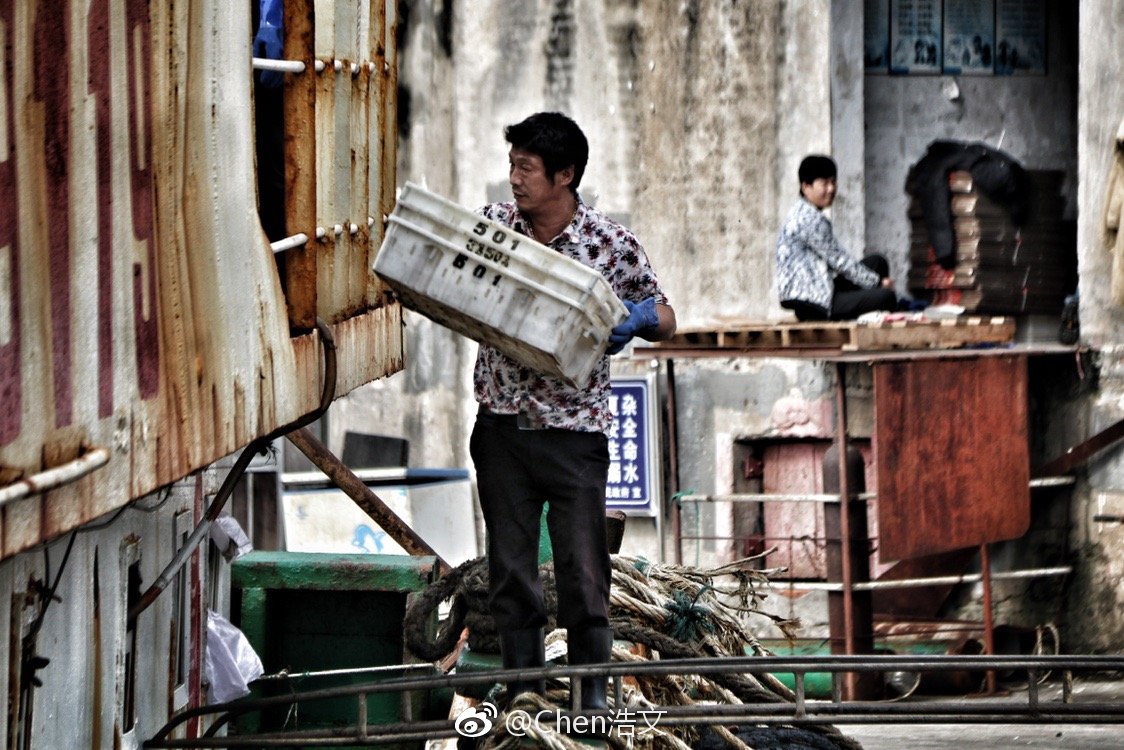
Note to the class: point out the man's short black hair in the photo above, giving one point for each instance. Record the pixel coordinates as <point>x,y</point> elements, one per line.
<point>816,166</point>
<point>556,139</point>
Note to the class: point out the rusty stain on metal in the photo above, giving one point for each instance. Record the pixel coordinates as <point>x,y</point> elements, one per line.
<point>952,454</point>
<point>174,305</point>
<point>96,640</point>
<point>300,164</point>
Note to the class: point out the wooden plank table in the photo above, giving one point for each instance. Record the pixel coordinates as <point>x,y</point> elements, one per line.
<point>845,336</point>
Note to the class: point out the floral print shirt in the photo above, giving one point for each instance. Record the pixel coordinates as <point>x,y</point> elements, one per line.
<point>503,386</point>
<point>809,258</point>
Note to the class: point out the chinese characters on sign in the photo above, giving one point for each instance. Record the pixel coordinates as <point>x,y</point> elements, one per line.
<point>633,473</point>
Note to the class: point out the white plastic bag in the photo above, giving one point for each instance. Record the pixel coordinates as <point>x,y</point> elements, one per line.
<point>231,663</point>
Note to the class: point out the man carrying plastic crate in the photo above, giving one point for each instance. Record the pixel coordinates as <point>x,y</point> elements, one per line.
<point>538,439</point>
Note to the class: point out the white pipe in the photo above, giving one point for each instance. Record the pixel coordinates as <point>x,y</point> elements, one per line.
<point>281,66</point>
<point>321,233</point>
<point>319,66</point>
<point>915,583</point>
<point>56,477</point>
<point>1052,481</point>
<point>289,243</point>
<point>753,497</point>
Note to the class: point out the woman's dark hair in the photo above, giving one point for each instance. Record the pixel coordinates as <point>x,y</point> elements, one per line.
<point>816,166</point>
<point>556,139</point>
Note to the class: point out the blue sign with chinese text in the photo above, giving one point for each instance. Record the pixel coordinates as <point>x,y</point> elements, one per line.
<point>633,441</point>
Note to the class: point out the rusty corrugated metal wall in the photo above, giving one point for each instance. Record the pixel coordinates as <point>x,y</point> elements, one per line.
<point>142,310</point>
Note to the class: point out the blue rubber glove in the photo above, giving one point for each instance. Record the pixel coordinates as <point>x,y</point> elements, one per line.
<point>641,317</point>
<point>268,41</point>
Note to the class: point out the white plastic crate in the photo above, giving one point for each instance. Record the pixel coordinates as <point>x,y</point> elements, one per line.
<point>496,286</point>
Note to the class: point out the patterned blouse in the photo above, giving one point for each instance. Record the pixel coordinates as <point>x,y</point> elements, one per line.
<point>809,258</point>
<point>504,386</point>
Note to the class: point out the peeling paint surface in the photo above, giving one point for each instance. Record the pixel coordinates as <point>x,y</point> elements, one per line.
<point>143,311</point>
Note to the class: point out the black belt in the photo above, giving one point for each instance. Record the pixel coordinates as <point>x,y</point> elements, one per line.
<point>520,421</point>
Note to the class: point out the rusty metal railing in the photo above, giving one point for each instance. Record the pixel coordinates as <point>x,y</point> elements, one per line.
<point>801,711</point>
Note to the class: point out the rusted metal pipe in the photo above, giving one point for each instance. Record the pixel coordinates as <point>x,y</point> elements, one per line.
<point>850,681</point>
<point>1083,451</point>
<point>767,713</point>
<point>56,477</point>
<point>989,622</point>
<point>673,463</point>
<point>354,487</point>
<point>257,445</point>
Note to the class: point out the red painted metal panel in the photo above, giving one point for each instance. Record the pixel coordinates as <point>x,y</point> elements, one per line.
<point>797,528</point>
<point>952,454</point>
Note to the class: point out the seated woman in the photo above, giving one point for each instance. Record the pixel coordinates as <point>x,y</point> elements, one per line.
<point>816,277</point>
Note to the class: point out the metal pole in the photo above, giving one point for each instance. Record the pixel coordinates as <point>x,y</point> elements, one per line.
<point>51,478</point>
<point>915,583</point>
<point>673,462</point>
<point>327,391</point>
<point>989,624</point>
<point>850,682</point>
<point>354,487</point>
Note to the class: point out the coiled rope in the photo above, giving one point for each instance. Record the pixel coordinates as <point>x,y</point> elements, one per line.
<point>670,611</point>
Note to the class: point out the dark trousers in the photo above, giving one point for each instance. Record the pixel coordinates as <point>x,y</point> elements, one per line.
<point>849,301</point>
<point>516,472</point>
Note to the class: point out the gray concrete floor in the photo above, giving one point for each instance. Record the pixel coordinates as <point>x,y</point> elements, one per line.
<point>1003,736</point>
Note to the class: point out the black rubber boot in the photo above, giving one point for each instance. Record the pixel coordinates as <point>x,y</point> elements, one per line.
<point>591,646</point>
<point>521,649</point>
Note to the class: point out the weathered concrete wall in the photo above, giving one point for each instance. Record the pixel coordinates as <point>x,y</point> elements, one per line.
<point>730,102</point>
<point>697,115</point>
<point>1097,594</point>
<point>848,143</point>
<point>1029,117</point>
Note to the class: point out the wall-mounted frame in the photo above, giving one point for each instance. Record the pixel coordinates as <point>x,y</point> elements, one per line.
<point>969,37</point>
<point>876,36</point>
<point>1020,37</point>
<point>954,37</point>
<point>915,36</point>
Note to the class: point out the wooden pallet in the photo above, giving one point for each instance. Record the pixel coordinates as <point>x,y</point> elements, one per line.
<point>849,335</point>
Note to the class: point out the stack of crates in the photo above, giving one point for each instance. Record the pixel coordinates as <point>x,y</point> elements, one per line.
<point>1001,267</point>
<point>493,285</point>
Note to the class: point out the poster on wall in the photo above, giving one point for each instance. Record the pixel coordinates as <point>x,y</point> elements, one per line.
<point>1020,37</point>
<point>876,36</point>
<point>915,36</point>
<point>969,37</point>
<point>635,474</point>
